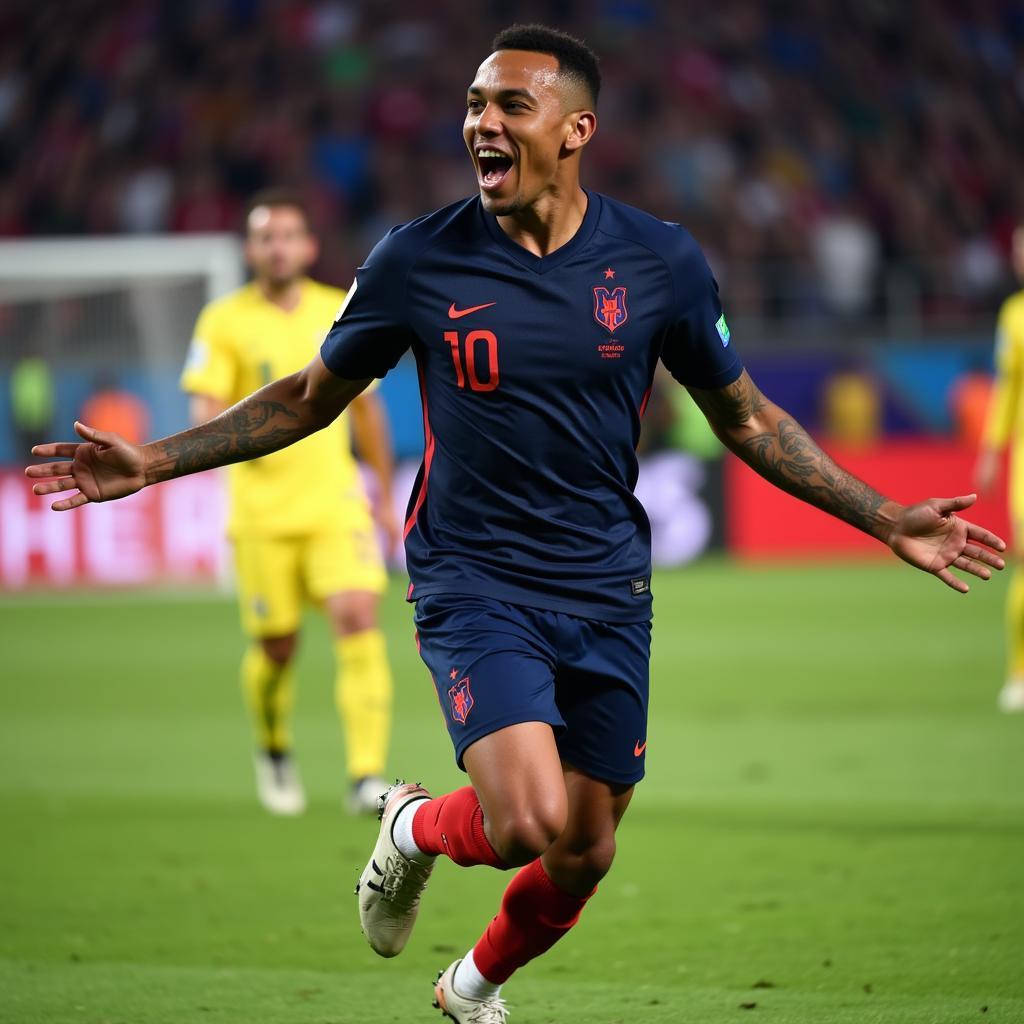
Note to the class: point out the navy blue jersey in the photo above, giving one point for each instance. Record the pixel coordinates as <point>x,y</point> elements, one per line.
<point>534,372</point>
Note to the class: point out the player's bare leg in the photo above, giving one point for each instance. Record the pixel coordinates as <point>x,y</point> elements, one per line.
<point>269,694</point>
<point>582,855</point>
<point>362,693</point>
<point>525,810</point>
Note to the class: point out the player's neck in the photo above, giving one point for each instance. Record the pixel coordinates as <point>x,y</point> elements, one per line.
<point>286,296</point>
<point>549,223</point>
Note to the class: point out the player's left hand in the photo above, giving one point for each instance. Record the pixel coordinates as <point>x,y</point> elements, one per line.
<point>931,536</point>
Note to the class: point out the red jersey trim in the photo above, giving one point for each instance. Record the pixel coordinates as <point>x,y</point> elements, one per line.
<point>645,400</point>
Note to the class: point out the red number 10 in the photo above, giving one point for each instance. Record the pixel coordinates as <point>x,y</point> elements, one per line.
<point>475,383</point>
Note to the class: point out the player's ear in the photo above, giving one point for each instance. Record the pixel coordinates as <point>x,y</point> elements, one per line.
<point>582,125</point>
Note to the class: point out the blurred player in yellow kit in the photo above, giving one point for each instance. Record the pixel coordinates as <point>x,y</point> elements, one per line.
<point>1005,422</point>
<point>299,519</point>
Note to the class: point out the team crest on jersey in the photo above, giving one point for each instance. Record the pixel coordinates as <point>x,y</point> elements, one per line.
<point>610,308</point>
<point>461,699</point>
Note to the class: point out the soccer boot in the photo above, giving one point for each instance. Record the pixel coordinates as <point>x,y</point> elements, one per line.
<point>364,794</point>
<point>278,784</point>
<point>463,1010</point>
<point>390,886</point>
<point>1011,696</point>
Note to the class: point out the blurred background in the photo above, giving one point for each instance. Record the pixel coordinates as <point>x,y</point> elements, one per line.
<point>853,173</point>
<point>832,795</point>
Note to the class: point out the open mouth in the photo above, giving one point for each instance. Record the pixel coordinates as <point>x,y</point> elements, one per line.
<point>494,165</point>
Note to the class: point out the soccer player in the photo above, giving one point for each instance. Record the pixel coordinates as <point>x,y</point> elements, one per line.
<point>538,312</point>
<point>1003,423</point>
<point>299,519</point>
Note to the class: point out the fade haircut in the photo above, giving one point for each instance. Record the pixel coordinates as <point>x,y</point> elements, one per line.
<point>276,197</point>
<point>575,59</point>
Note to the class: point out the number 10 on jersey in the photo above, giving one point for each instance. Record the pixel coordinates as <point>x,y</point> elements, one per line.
<point>465,353</point>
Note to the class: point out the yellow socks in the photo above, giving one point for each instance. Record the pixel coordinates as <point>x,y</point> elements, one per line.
<point>362,692</point>
<point>1015,624</point>
<point>269,690</point>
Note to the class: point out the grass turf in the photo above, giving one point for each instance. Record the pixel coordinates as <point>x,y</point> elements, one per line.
<point>831,829</point>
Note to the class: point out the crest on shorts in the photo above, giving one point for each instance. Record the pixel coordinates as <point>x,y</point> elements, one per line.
<point>610,308</point>
<point>461,700</point>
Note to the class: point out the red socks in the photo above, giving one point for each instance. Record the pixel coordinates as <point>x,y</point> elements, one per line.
<point>534,915</point>
<point>454,825</point>
<point>534,912</point>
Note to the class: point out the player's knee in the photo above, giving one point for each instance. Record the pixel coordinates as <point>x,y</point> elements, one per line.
<point>279,649</point>
<point>353,614</point>
<point>519,838</point>
<point>596,861</point>
<point>583,867</point>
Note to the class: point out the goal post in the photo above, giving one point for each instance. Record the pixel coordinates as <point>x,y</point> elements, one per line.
<point>104,308</point>
<point>106,313</point>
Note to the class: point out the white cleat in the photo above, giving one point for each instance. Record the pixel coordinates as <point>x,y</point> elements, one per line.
<point>1011,696</point>
<point>364,794</point>
<point>462,1009</point>
<point>390,886</point>
<point>278,784</point>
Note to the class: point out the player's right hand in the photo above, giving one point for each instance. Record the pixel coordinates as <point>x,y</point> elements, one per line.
<point>103,466</point>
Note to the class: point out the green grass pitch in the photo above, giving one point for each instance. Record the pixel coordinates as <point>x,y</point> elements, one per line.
<point>831,830</point>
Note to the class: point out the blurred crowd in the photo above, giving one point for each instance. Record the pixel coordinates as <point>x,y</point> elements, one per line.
<point>829,157</point>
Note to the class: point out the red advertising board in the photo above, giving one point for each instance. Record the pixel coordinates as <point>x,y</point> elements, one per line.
<point>762,521</point>
<point>174,533</point>
<point>170,533</point>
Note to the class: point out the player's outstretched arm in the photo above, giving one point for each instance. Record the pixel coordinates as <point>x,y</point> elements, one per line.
<point>928,535</point>
<point>104,466</point>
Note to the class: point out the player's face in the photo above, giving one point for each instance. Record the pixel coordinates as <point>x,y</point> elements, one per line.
<point>278,245</point>
<point>518,129</point>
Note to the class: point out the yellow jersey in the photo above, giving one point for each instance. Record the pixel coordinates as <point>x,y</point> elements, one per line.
<point>241,342</point>
<point>1005,421</point>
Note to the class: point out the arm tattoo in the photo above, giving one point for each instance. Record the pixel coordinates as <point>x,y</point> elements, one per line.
<point>781,451</point>
<point>734,405</point>
<point>248,430</point>
<point>789,458</point>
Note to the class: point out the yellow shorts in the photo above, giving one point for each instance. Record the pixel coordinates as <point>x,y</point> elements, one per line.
<point>276,574</point>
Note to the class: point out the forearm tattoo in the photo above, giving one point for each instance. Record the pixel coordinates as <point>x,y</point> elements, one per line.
<point>254,427</point>
<point>790,459</point>
<point>785,455</point>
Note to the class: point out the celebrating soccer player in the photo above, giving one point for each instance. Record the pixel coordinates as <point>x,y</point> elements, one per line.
<point>537,312</point>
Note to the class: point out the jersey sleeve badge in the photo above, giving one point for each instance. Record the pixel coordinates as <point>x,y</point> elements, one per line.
<point>723,330</point>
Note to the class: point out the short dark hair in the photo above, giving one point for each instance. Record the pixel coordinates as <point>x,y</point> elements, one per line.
<point>575,58</point>
<point>277,196</point>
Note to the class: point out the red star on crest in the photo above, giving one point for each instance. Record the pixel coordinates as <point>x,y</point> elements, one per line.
<point>454,672</point>
<point>609,273</point>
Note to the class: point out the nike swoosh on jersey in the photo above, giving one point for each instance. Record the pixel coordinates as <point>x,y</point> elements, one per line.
<point>455,314</point>
<point>639,748</point>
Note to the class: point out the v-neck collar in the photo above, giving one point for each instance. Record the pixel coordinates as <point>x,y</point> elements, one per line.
<point>542,264</point>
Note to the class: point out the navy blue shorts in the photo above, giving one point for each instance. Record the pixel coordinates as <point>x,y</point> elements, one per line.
<point>496,664</point>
